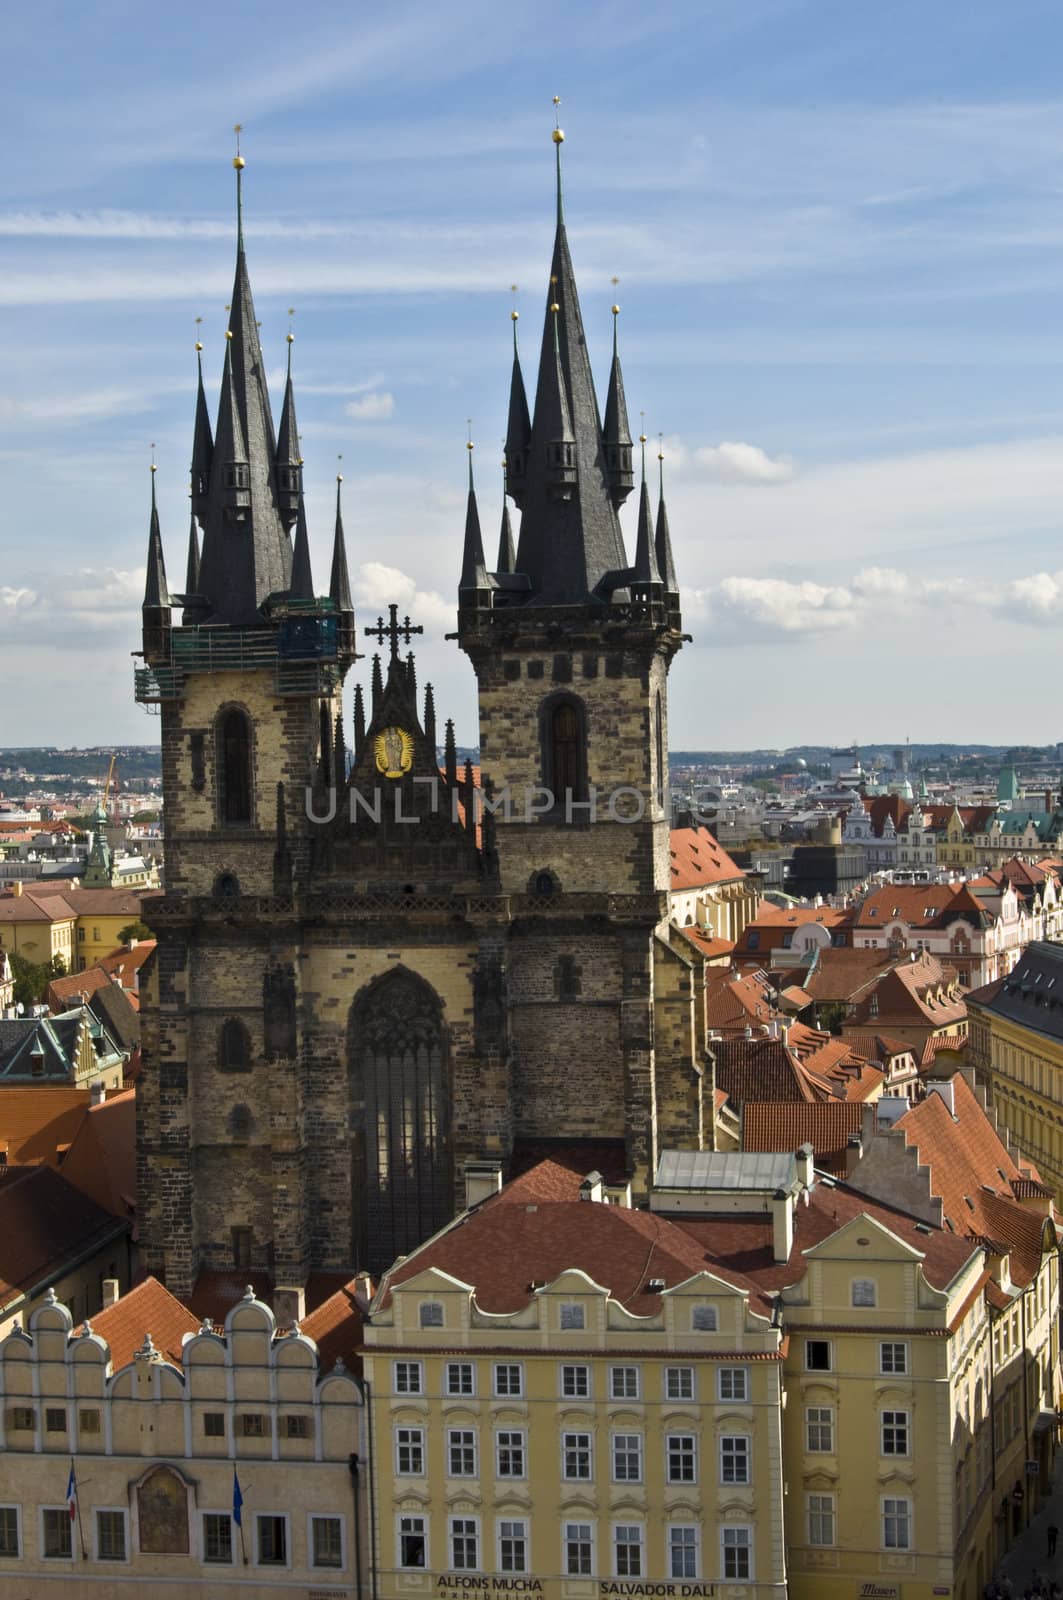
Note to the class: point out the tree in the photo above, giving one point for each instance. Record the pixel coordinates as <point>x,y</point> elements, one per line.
<point>33,977</point>
<point>134,930</point>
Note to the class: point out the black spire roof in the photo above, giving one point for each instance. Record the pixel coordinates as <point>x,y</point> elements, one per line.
<point>474,580</point>
<point>202,445</point>
<point>192,568</point>
<point>247,554</point>
<point>289,460</point>
<point>518,428</point>
<point>156,590</point>
<point>647,579</point>
<point>616,433</point>
<point>339,581</point>
<point>665,560</point>
<point>507,560</point>
<point>570,537</point>
<point>302,587</point>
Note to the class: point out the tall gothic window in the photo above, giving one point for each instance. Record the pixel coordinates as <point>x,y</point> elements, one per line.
<point>563,733</point>
<point>658,740</point>
<point>401,1177</point>
<point>234,765</point>
<point>234,1046</point>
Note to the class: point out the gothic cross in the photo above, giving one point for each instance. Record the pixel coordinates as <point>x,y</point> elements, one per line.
<point>393,630</point>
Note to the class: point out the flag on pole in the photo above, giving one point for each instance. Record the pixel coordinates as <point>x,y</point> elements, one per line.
<point>72,1493</point>
<point>238,1500</point>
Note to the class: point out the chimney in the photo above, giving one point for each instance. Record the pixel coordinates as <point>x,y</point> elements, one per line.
<point>1048,799</point>
<point>109,1290</point>
<point>804,1159</point>
<point>482,1180</point>
<point>944,1088</point>
<point>592,1188</point>
<point>97,1093</point>
<point>782,1226</point>
<point>289,1304</point>
<point>16,887</point>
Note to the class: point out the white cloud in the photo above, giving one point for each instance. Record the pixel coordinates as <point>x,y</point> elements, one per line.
<point>735,462</point>
<point>780,606</point>
<point>376,407</point>
<point>377,586</point>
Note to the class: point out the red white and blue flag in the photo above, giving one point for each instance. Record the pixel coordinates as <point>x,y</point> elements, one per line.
<point>72,1494</point>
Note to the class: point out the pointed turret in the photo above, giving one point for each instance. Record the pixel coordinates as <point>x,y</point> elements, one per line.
<point>192,565</point>
<point>202,447</point>
<point>570,537</point>
<point>430,717</point>
<point>507,556</point>
<point>450,754</point>
<point>518,428</point>
<point>156,590</point>
<point>359,721</point>
<point>665,559</point>
<point>289,461</point>
<point>646,583</point>
<point>339,580</point>
<point>615,431</point>
<point>247,552</point>
<point>474,589</point>
<point>377,683</point>
<point>302,577</point>
<point>411,677</point>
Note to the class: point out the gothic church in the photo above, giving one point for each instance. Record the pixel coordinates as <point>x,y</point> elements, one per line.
<point>373,967</point>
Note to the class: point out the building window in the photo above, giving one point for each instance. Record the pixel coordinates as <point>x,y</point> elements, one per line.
<point>736,1547</point>
<point>431,1314</point>
<point>509,1378</point>
<point>627,1458</point>
<point>734,1458</point>
<point>682,1552</point>
<point>681,1451</point>
<point>513,1546</point>
<point>571,1317</point>
<point>821,1519</point>
<point>576,1383</point>
<point>326,1542</point>
<point>732,1383</point>
<point>110,1536</point>
<point>897,1524</point>
<point>460,1378</point>
<point>9,1540</point>
<point>408,1376</point>
<point>679,1383</point>
<point>509,1454</point>
<point>623,1383</point>
<point>703,1319</point>
<point>55,1419</point>
<point>893,1357</point>
<point>409,1452</point>
<point>89,1422</point>
<point>20,1419</point>
<point>241,1244</point>
<point>579,1549</point>
<point>817,1355</point>
<point>563,751</point>
<point>272,1541</point>
<point>627,1549</point>
<point>895,1433</point>
<point>234,1047</point>
<point>56,1527</point>
<point>412,1542</point>
<point>576,1456</point>
<point>461,1452</point>
<point>218,1537</point>
<point>819,1427</point>
<point>234,766</point>
<point>214,1424</point>
<point>464,1544</point>
<point>863,1292</point>
<point>253,1425</point>
<point>295,1427</point>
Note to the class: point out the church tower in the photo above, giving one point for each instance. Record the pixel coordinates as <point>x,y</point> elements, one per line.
<point>571,644</point>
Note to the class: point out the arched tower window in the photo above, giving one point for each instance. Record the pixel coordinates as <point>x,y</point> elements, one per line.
<point>658,745</point>
<point>234,765</point>
<point>401,1165</point>
<point>563,733</point>
<point>234,1046</point>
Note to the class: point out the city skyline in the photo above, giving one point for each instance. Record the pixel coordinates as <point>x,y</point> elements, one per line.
<point>839,269</point>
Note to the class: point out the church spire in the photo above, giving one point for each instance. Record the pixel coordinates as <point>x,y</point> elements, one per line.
<point>518,426</point>
<point>192,567</point>
<point>359,721</point>
<point>615,431</point>
<point>339,580</point>
<point>507,558</point>
<point>289,459</point>
<point>665,559</point>
<point>247,552</point>
<point>156,590</point>
<point>647,579</point>
<point>570,537</point>
<point>302,587</point>
<point>202,444</point>
<point>474,589</point>
<point>429,723</point>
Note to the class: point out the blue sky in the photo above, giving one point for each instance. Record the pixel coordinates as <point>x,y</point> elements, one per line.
<point>838,231</point>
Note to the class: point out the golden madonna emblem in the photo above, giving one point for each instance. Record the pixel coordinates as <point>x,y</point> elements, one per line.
<point>393,749</point>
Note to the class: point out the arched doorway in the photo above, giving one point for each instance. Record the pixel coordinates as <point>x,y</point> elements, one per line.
<point>401,1168</point>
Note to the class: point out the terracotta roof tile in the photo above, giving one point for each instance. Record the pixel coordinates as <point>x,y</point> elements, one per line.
<point>697,860</point>
<point>149,1308</point>
<point>35,1121</point>
<point>336,1328</point>
<point>102,1160</point>
<point>45,1223</point>
<point>786,1125</point>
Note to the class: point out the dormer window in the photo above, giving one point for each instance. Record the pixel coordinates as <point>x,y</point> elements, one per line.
<point>431,1314</point>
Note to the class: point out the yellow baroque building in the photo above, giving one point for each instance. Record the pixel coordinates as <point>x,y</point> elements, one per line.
<point>1017,1029</point>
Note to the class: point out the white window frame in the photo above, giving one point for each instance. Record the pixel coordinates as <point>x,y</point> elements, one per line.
<point>575,1394</point>
<point>738,1399</point>
<point>680,1374</point>
<point>830,1355</point>
<point>640,1452</point>
<point>416,1367</point>
<point>906,1423</point>
<point>12,1505</point>
<point>640,1529</point>
<point>508,1366</point>
<point>477,1534</point>
<point>524,1536</point>
<point>832,1512</point>
<point>897,1500</point>
<point>459,1394</point>
<point>810,1448</point>
<point>216,1511</point>
<point>737,1527</point>
<point>273,1566</point>
<point>423,1518</point>
<point>325,1516</point>
<point>693,1455</point>
<point>694,1544</point>
<point>449,1467</point>
<point>405,1427</point>
<point>894,1344</point>
<point>65,1509</point>
<point>121,1511</point>
<point>613,1372</point>
<point>737,1455</point>
<point>592,1536</point>
<point>577,1433</point>
<point>520,1434</point>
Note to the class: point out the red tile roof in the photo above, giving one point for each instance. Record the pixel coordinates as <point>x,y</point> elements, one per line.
<point>36,1121</point>
<point>45,1225</point>
<point>759,1069</point>
<point>336,1328</point>
<point>786,1125</point>
<point>708,944</point>
<point>697,860</point>
<point>930,905</point>
<point>733,1002</point>
<point>102,1160</point>
<point>150,1308</point>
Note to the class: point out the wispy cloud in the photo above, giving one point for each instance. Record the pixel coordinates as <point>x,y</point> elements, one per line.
<point>373,407</point>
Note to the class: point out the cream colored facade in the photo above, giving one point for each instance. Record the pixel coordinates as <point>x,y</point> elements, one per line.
<point>601,1471</point>
<point>155,1448</point>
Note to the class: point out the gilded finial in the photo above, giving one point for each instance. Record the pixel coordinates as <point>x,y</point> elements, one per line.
<point>615,281</point>
<point>290,334</point>
<point>558,137</point>
<point>558,134</point>
<point>339,474</point>
<point>199,344</point>
<point>470,447</point>
<point>642,442</point>
<point>238,161</point>
<point>228,333</point>
<point>154,468</point>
